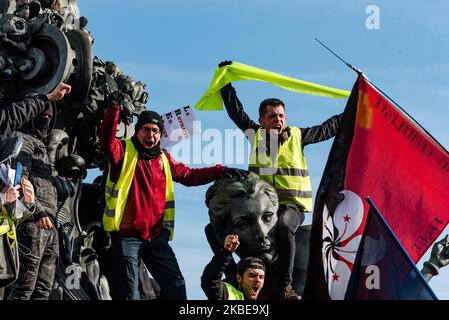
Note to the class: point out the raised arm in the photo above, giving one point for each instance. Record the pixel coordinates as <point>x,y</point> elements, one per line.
<point>439,258</point>
<point>111,146</point>
<point>235,109</point>
<point>211,280</point>
<point>328,129</point>
<point>17,114</point>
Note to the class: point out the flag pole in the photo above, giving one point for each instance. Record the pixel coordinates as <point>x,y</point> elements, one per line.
<point>351,66</point>
<point>404,252</point>
<point>361,74</point>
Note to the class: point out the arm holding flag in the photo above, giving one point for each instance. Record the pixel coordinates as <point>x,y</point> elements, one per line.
<point>235,71</point>
<point>234,107</point>
<point>328,129</point>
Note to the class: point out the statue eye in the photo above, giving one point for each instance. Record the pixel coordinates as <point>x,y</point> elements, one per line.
<point>241,224</point>
<point>267,217</point>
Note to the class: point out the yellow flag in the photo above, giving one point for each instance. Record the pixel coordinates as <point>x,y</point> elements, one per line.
<point>236,71</point>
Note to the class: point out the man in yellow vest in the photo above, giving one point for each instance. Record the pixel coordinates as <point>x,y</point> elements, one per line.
<point>140,207</point>
<point>249,276</point>
<point>277,157</point>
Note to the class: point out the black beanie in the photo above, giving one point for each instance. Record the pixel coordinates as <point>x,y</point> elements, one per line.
<point>249,262</point>
<point>149,117</point>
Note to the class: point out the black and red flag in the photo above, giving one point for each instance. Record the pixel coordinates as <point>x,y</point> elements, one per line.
<point>380,153</point>
<point>382,269</point>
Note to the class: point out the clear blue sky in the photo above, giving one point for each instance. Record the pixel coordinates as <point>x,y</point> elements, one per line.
<point>174,46</point>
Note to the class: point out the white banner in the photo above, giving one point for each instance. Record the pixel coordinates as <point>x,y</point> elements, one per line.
<point>178,126</point>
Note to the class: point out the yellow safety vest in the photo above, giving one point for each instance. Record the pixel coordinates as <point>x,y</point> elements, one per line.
<point>289,174</point>
<point>7,227</point>
<point>233,293</point>
<point>116,193</point>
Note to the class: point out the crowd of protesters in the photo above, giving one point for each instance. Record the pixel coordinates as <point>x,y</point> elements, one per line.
<point>139,211</point>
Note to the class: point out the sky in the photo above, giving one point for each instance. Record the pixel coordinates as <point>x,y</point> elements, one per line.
<point>174,47</point>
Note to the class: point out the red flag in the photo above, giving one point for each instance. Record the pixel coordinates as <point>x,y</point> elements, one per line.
<point>380,153</point>
<point>400,167</point>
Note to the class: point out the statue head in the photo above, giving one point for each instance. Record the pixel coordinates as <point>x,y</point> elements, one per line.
<point>247,208</point>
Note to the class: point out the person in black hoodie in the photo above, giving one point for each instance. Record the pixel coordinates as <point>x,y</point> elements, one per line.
<point>37,237</point>
<point>17,114</point>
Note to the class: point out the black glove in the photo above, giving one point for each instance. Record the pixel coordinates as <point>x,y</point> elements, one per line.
<point>115,98</point>
<point>224,63</point>
<point>234,172</point>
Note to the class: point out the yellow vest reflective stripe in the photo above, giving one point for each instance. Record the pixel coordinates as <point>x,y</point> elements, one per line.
<point>4,226</point>
<point>288,174</point>
<point>169,210</point>
<point>116,193</point>
<point>233,293</point>
<point>7,227</point>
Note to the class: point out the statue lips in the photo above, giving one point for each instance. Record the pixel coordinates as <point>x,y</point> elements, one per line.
<point>262,249</point>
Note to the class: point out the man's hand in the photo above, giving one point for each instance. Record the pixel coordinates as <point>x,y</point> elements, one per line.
<point>115,98</point>
<point>59,92</point>
<point>231,242</point>
<point>44,223</point>
<point>224,63</point>
<point>440,253</point>
<point>28,191</point>
<point>11,193</point>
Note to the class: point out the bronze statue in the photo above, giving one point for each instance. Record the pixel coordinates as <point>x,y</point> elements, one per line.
<point>43,43</point>
<point>248,209</point>
<point>439,258</point>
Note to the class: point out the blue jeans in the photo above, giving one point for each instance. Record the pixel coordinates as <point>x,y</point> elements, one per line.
<point>158,257</point>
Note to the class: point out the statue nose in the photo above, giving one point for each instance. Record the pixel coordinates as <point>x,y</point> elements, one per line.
<point>259,235</point>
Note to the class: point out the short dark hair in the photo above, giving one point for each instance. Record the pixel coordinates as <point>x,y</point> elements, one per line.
<point>249,262</point>
<point>270,102</point>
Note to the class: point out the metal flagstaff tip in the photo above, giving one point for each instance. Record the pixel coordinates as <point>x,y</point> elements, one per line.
<point>358,71</point>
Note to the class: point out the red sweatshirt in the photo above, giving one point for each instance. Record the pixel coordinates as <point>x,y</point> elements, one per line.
<point>146,197</point>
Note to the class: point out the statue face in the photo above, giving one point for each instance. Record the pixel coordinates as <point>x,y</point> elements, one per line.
<point>254,220</point>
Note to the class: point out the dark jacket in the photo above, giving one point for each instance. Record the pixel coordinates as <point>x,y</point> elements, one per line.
<point>324,131</point>
<point>16,115</point>
<point>211,280</point>
<point>39,169</point>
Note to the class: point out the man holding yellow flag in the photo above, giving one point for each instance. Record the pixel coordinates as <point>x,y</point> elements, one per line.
<point>277,157</point>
